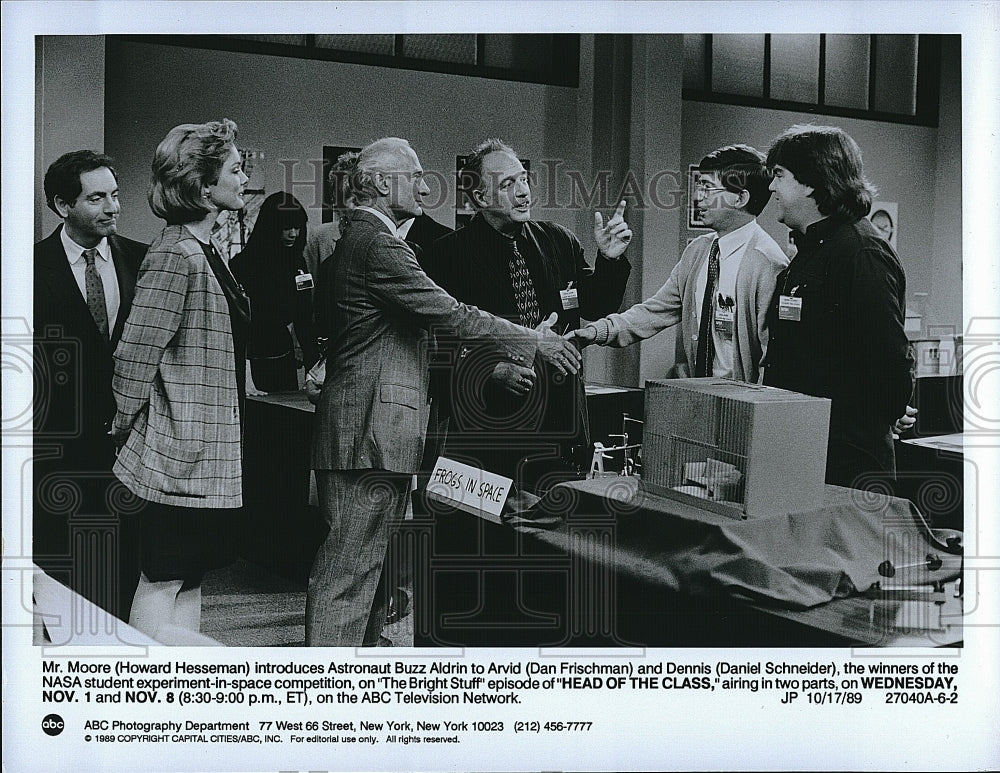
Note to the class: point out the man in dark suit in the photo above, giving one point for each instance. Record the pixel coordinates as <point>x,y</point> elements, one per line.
<point>523,422</point>
<point>421,232</point>
<point>374,406</point>
<point>84,279</point>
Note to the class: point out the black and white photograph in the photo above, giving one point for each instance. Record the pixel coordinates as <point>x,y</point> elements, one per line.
<point>437,385</point>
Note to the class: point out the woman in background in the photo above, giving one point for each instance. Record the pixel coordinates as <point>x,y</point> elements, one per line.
<point>179,378</point>
<point>273,271</point>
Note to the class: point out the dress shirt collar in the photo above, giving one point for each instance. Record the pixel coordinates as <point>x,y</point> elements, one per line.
<point>818,232</point>
<point>74,251</point>
<point>734,241</point>
<point>404,227</point>
<point>383,217</point>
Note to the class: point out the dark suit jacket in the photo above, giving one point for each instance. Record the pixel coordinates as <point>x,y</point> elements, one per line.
<point>473,265</point>
<point>424,232</point>
<point>374,407</point>
<point>74,404</point>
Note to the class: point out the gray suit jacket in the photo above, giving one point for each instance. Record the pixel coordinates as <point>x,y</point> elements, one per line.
<point>374,407</point>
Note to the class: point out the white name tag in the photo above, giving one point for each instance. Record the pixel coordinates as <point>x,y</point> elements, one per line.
<point>570,298</point>
<point>303,281</point>
<point>471,489</point>
<point>724,322</point>
<point>790,308</point>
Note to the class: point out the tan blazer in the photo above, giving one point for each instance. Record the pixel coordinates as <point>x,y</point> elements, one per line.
<point>374,407</point>
<point>175,382</point>
<point>677,302</point>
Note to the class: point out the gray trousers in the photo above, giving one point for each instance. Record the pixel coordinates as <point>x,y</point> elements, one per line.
<point>346,600</point>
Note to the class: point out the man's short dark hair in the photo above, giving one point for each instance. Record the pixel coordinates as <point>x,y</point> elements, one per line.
<point>62,178</point>
<point>828,160</point>
<point>741,168</point>
<point>470,178</point>
<point>339,176</point>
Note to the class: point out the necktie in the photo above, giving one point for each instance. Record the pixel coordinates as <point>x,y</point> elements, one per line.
<point>706,343</point>
<point>524,290</point>
<point>95,293</point>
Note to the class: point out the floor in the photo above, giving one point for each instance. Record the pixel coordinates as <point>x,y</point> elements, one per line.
<point>245,605</point>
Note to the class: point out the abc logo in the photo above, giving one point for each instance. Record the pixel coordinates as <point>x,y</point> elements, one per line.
<point>53,724</point>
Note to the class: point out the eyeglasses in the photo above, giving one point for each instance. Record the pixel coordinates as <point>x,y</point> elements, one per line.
<point>706,188</point>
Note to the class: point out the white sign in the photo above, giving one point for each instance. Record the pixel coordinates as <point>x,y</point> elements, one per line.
<point>470,488</point>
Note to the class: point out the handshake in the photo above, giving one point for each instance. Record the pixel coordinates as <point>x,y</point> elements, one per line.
<point>557,350</point>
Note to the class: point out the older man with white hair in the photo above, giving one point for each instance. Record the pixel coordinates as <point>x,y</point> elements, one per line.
<point>373,409</point>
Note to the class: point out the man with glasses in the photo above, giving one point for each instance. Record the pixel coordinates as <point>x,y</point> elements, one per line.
<point>720,289</point>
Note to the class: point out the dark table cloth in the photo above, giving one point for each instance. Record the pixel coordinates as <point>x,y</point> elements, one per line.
<point>794,561</point>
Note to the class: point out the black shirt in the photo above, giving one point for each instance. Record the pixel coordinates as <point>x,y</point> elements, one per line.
<point>849,344</point>
<point>239,316</point>
<point>473,265</point>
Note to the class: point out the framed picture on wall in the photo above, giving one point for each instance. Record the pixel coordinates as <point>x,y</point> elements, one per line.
<point>694,216</point>
<point>330,155</point>
<point>464,210</point>
<point>885,217</point>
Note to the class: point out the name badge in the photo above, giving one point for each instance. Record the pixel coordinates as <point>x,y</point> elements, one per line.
<point>303,281</point>
<point>724,322</point>
<point>569,297</point>
<point>790,308</point>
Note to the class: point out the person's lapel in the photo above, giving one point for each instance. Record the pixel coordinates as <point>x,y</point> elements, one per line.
<point>126,286</point>
<point>55,279</point>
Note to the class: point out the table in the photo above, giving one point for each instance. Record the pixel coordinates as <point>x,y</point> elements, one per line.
<point>930,472</point>
<point>282,530</point>
<point>486,584</point>
<point>593,565</point>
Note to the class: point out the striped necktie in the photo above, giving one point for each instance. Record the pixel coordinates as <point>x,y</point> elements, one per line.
<point>95,293</point>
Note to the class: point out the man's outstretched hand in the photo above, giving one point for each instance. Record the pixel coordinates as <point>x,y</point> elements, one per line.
<point>556,350</point>
<point>584,336</point>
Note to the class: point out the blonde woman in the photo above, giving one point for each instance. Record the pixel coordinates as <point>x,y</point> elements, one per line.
<point>179,381</point>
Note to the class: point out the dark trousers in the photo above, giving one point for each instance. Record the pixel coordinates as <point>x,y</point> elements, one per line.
<point>85,526</point>
<point>871,469</point>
